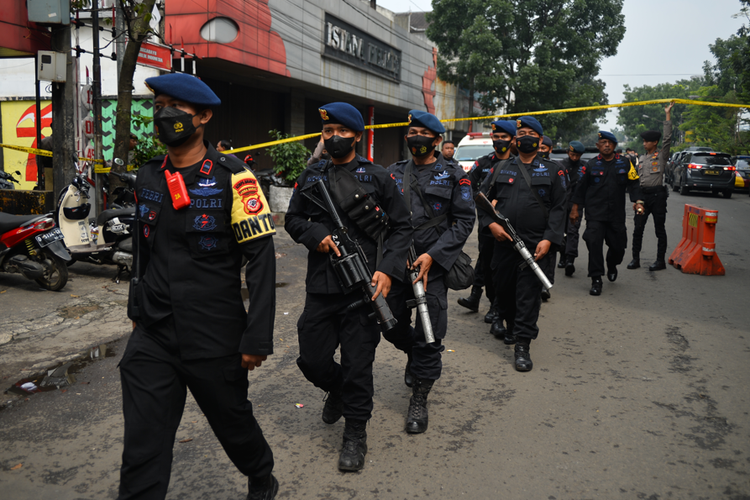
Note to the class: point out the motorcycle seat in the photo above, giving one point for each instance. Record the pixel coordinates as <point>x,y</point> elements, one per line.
<point>126,245</point>
<point>10,221</point>
<point>114,212</point>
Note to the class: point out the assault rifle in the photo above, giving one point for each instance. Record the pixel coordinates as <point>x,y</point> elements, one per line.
<point>485,204</point>
<point>420,299</point>
<point>351,268</point>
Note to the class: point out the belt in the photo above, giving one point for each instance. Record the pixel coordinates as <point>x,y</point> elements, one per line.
<point>652,189</point>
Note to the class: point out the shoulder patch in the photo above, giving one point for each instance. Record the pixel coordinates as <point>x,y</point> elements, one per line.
<point>251,215</point>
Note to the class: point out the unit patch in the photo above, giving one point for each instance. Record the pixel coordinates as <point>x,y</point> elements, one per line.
<point>206,187</point>
<point>208,242</point>
<point>204,223</point>
<point>251,217</point>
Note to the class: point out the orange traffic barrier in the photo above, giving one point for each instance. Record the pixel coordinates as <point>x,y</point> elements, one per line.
<point>696,253</point>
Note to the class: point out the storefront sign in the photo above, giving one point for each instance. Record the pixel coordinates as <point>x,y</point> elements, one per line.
<point>155,56</point>
<point>346,43</point>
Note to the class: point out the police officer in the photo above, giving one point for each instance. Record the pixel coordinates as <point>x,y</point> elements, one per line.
<point>545,148</point>
<point>434,190</point>
<point>574,168</point>
<point>503,132</point>
<point>548,265</point>
<point>191,328</point>
<point>651,171</point>
<point>536,209</point>
<point>327,321</point>
<point>448,150</point>
<point>601,190</point>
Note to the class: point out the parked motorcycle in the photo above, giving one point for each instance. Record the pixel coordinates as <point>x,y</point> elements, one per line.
<point>32,245</point>
<point>103,239</point>
<point>7,180</point>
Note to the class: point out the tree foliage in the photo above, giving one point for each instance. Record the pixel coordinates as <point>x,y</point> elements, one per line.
<point>528,55</point>
<point>289,158</point>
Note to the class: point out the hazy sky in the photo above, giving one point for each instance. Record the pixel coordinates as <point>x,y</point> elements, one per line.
<point>665,41</point>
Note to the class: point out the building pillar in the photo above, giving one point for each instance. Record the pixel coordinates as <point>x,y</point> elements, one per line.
<point>295,119</point>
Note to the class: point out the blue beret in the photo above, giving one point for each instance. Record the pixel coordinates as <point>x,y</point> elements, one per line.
<point>506,126</point>
<point>547,141</point>
<point>603,134</point>
<point>577,147</point>
<point>531,122</point>
<point>183,87</point>
<point>342,113</point>
<point>427,120</point>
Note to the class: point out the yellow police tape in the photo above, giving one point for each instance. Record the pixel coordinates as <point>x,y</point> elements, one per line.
<point>100,169</point>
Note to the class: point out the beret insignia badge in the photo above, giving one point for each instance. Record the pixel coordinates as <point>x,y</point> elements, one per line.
<point>324,114</point>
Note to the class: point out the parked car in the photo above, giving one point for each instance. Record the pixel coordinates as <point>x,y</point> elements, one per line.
<point>671,164</point>
<point>704,171</point>
<point>560,154</point>
<point>742,174</point>
<point>472,147</point>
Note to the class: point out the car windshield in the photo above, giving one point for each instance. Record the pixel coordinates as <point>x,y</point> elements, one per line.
<point>470,153</point>
<point>743,164</point>
<point>710,160</point>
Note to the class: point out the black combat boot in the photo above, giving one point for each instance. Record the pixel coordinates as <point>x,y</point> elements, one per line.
<point>570,267</point>
<point>416,417</point>
<point>596,286</point>
<point>563,261</point>
<point>545,295</point>
<point>408,377</point>
<point>523,357</point>
<point>658,265</point>
<point>492,315</point>
<point>612,273</point>
<point>498,329</point>
<point>262,489</point>
<point>333,407</point>
<point>472,301</point>
<point>353,453</point>
<point>635,263</point>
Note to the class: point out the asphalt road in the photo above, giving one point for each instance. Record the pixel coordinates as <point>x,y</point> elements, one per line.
<point>642,393</point>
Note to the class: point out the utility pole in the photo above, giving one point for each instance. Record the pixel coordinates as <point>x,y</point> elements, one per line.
<point>63,115</point>
<point>97,97</point>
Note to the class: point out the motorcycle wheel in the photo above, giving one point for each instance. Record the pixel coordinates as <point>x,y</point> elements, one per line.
<point>55,272</point>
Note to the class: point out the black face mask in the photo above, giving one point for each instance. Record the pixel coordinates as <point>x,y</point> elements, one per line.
<point>420,145</point>
<point>339,147</point>
<point>501,147</point>
<point>175,127</point>
<point>528,144</point>
<point>545,155</point>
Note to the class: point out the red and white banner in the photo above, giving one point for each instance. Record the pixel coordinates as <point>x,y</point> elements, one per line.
<point>155,56</point>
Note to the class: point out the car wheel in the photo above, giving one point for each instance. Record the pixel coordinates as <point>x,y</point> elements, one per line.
<point>684,190</point>
<point>728,193</point>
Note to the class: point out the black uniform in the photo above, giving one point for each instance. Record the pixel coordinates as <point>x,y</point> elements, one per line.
<point>326,322</point>
<point>191,322</point>
<point>574,170</point>
<point>601,191</point>
<point>446,190</point>
<point>548,265</point>
<point>518,291</point>
<point>483,267</point>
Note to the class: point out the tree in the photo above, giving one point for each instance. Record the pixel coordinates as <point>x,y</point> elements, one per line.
<point>138,15</point>
<point>637,119</point>
<point>528,55</point>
